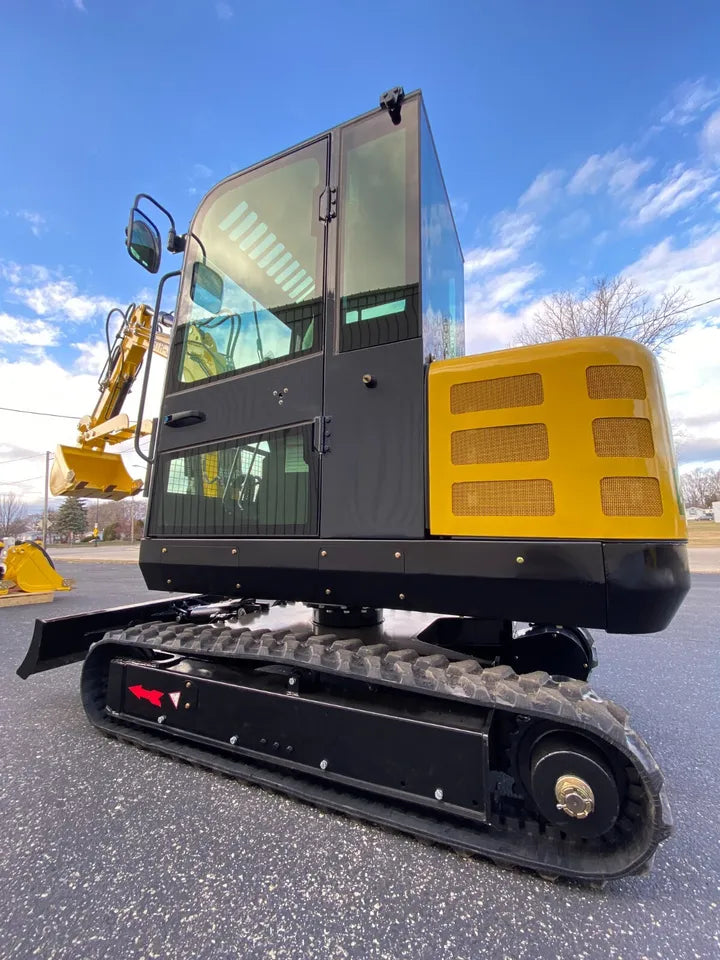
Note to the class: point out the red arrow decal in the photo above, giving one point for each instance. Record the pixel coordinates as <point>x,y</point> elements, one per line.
<point>154,696</point>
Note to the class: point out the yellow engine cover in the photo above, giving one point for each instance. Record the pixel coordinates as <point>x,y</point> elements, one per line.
<point>566,440</point>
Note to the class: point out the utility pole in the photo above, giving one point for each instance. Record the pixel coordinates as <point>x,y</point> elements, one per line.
<point>45,508</point>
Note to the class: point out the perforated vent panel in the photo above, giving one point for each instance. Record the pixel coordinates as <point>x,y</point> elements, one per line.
<point>615,381</point>
<point>623,437</point>
<point>631,497</point>
<point>525,390</point>
<point>503,498</point>
<point>517,443</point>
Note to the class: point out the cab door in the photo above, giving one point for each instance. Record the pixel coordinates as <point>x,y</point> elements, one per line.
<point>373,472</point>
<point>244,391</point>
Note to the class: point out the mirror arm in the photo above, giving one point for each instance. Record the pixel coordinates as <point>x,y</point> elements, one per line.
<point>175,242</point>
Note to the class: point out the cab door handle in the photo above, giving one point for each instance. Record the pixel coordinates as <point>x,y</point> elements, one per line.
<point>186,418</point>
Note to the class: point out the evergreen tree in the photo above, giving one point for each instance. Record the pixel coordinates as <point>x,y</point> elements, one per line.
<point>71,518</point>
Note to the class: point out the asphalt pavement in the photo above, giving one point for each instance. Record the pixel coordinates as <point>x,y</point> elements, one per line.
<point>112,852</point>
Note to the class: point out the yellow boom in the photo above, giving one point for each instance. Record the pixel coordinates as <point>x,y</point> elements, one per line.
<point>86,470</point>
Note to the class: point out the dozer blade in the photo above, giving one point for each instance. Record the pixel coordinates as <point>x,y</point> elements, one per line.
<point>84,472</point>
<point>32,571</point>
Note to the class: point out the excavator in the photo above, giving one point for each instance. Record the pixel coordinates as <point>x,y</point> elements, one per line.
<point>438,531</point>
<point>86,470</point>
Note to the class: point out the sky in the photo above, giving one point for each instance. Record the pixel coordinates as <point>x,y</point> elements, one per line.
<point>577,140</point>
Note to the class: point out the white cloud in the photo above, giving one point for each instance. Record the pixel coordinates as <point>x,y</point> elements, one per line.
<point>689,100</point>
<point>691,366</point>
<point>224,11</point>
<point>36,220</point>
<point>488,258</point>
<point>496,306</point>
<point>49,294</point>
<point>681,188</point>
<point>31,333</point>
<point>710,137</point>
<point>515,229</point>
<point>695,268</point>
<point>91,357</point>
<point>614,171</point>
<point>79,5</point>
<point>60,390</point>
<point>542,189</point>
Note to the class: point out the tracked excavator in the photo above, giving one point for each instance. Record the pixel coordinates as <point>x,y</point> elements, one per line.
<point>437,531</point>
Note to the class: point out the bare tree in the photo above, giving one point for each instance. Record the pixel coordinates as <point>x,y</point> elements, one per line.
<point>12,515</point>
<point>700,487</point>
<point>613,307</point>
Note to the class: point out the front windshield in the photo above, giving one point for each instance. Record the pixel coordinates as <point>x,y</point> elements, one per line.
<point>261,238</point>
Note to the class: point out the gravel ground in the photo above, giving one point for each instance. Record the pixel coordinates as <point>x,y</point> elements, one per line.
<point>110,852</point>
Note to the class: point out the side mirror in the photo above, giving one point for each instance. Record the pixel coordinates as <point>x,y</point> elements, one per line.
<point>206,287</point>
<point>143,241</point>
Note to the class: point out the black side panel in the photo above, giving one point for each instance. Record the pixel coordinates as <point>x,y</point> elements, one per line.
<point>646,583</point>
<point>373,474</point>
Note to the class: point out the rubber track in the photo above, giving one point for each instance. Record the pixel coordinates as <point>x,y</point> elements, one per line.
<point>644,822</point>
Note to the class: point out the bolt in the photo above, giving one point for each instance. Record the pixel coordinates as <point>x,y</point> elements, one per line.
<point>162,718</point>
<point>323,764</point>
<point>233,740</point>
<point>438,793</point>
<point>275,393</point>
<point>323,553</point>
<point>285,390</point>
<point>237,586</point>
<point>397,554</point>
<point>292,681</point>
<point>169,582</point>
<point>263,740</point>
<point>519,559</point>
<point>328,592</point>
<point>234,551</point>
<point>187,706</point>
<point>188,684</point>
<point>164,550</point>
<point>288,749</point>
<point>280,402</point>
<point>401,596</point>
<point>276,745</point>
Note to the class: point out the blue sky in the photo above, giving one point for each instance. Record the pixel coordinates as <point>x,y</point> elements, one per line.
<point>577,139</point>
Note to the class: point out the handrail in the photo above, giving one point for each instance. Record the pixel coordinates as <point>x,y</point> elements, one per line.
<point>151,343</point>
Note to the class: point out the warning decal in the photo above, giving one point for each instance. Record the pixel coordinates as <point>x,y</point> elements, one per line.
<point>175,697</point>
<point>153,696</point>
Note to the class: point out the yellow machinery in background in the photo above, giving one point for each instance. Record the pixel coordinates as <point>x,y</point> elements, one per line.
<point>29,570</point>
<point>86,470</point>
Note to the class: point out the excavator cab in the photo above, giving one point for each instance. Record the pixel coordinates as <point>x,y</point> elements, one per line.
<point>324,437</point>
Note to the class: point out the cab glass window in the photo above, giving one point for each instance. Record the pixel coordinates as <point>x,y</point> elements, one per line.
<point>264,485</point>
<point>252,289</point>
<point>443,323</point>
<point>379,247</point>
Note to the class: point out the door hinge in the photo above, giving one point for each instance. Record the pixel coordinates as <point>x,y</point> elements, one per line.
<point>321,434</point>
<point>327,206</point>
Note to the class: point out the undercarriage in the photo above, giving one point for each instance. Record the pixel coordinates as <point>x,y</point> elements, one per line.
<point>415,724</point>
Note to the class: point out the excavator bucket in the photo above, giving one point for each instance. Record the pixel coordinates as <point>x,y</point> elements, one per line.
<point>29,569</point>
<point>84,472</point>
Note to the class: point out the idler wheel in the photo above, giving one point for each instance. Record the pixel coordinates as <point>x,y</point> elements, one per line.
<point>573,786</point>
